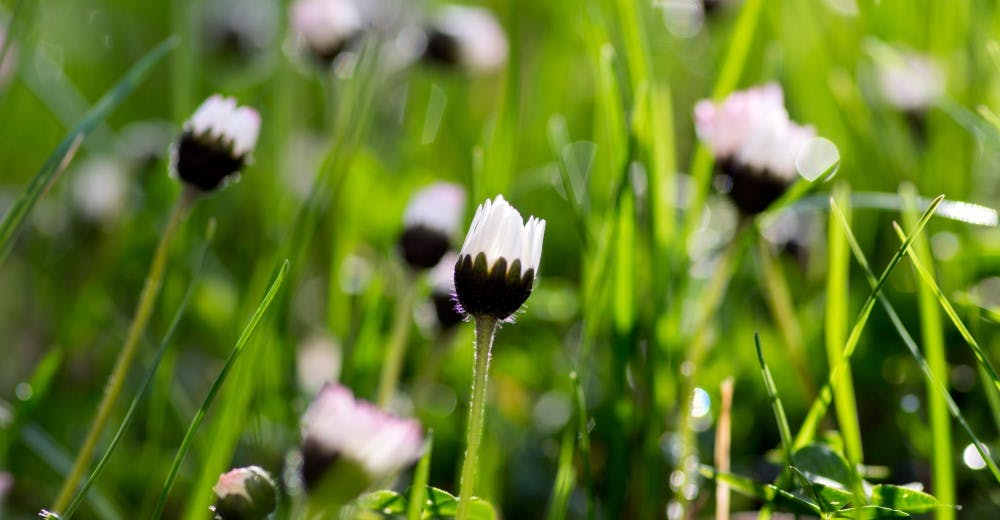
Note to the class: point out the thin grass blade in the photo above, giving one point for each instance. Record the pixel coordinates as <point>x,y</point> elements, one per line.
<point>233,356</point>
<point>914,349</point>
<point>43,179</point>
<point>147,381</point>
<point>822,402</point>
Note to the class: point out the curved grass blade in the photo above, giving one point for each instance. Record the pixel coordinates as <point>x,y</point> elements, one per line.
<point>822,402</point>
<point>26,201</point>
<point>200,415</point>
<point>913,348</point>
<point>150,374</point>
<point>928,279</point>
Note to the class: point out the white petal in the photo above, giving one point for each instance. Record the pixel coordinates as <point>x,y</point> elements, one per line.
<point>439,207</point>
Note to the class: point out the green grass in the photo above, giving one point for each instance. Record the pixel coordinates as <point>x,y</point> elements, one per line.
<point>888,372</point>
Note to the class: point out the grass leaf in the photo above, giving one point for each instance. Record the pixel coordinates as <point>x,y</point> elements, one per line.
<point>46,175</point>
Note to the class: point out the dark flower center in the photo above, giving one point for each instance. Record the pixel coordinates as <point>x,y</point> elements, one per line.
<point>205,162</point>
<point>496,292</point>
<point>752,190</point>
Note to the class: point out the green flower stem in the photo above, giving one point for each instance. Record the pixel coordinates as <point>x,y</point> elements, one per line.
<point>398,339</point>
<point>147,300</point>
<point>486,328</point>
<point>710,301</point>
<point>430,367</point>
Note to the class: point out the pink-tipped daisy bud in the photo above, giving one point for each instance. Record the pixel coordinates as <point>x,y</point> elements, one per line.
<point>498,263</point>
<point>442,279</point>
<point>467,37</point>
<point>755,144</point>
<point>349,444</point>
<point>326,27</point>
<point>430,221</point>
<point>216,143</point>
<point>244,494</point>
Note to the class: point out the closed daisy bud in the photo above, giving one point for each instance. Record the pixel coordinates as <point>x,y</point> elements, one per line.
<point>467,37</point>
<point>244,494</point>
<point>216,143</point>
<point>498,262</point>
<point>431,218</point>
<point>349,444</point>
<point>326,27</point>
<point>755,144</point>
<point>442,279</point>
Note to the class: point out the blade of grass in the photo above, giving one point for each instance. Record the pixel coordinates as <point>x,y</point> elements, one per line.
<point>418,490</point>
<point>216,385</point>
<point>932,333</point>
<point>928,279</point>
<point>837,308</point>
<point>583,440</point>
<point>26,201</point>
<point>822,402</point>
<point>772,394</point>
<point>150,375</point>
<point>914,349</point>
<point>562,486</point>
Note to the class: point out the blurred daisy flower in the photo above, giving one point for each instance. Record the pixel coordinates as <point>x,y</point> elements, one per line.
<point>430,220</point>
<point>350,444</point>
<point>466,37</point>
<point>755,145</point>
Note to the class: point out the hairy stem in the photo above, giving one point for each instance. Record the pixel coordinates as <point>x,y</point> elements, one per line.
<point>485,330</point>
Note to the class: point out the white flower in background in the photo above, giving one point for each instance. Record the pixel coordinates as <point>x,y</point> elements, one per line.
<point>499,260</point>
<point>431,218</point>
<point>318,363</point>
<point>910,81</point>
<point>336,428</point>
<point>442,281</point>
<point>243,27</point>
<point>326,27</point>
<point>754,142</point>
<point>216,142</point>
<point>244,493</point>
<point>469,37</point>
<point>100,188</point>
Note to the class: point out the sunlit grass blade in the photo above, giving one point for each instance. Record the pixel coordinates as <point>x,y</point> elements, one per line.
<point>26,201</point>
<point>147,381</point>
<point>418,490</point>
<point>822,402</point>
<point>233,356</point>
<point>772,394</point>
<point>911,345</point>
<point>837,308</point>
<point>932,334</point>
<point>928,279</point>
